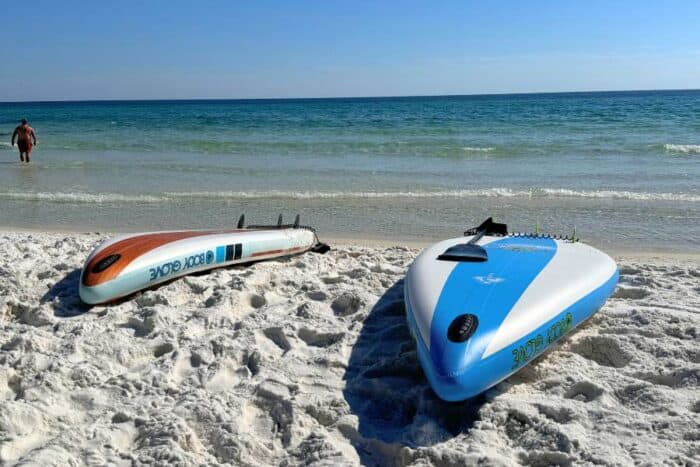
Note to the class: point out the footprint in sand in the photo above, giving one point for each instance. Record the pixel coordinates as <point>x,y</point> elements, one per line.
<point>332,279</point>
<point>317,295</point>
<point>629,270</point>
<point>257,301</point>
<point>228,374</point>
<point>270,413</point>
<point>276,335</point>
<point>163,349</point>
<point>141,328</point>
<point>319,339</point>
<point>642,396</point>
<point>151,298</point>
<point>557,414</point>
<point>603,350</point>
<point>685,377</point>
<point>631,293</point>
<point>346,304</point>
<point>584,391</point>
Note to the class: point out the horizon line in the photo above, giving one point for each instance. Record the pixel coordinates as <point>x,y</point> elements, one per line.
<point>406,96</point>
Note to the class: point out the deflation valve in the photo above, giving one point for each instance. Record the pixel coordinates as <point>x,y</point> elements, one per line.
<point>105,263</point>
<point>462,328</point>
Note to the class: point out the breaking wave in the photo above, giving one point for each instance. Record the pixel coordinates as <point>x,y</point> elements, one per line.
<point>81,197</point>
<point>476,193</point>
<point>478,149</point>
<point>104,198</point>
<point>683,148</point>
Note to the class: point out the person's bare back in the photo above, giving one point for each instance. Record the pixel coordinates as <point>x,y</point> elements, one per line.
<point>26,138</point>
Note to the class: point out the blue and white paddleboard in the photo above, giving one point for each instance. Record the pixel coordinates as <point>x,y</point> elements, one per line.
<point>482,306</point>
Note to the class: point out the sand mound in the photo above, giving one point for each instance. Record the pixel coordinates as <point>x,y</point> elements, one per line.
<point>308,361</point>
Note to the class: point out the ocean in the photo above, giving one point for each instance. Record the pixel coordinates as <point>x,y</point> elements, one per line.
<point>621,168</point>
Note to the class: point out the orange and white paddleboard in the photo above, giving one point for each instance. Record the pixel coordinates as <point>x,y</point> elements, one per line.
<point>126,264</point>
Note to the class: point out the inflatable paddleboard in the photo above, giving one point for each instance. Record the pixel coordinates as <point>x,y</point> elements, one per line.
<point>129,263</point>
<point>482,306</point>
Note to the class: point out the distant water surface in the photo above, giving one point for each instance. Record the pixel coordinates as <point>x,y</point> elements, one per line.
<point>623,168</point>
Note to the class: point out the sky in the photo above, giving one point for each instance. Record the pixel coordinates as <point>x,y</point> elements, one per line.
<point>177,49</point>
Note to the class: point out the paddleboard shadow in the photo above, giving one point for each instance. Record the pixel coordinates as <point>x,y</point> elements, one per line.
<point>388,391</point>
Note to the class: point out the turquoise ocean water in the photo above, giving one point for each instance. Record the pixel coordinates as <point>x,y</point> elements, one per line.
<point>621,167</point>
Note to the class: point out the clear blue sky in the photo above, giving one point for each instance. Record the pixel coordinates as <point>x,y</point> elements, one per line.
<point>233,49</point>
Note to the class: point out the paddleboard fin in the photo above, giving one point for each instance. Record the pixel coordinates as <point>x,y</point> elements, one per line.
<point>318,246</point>
<point>489,227</point>
<point>241,221</point>
<point>321,248</point>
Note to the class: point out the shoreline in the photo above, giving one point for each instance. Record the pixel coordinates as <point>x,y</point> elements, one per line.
<point>666,256</point>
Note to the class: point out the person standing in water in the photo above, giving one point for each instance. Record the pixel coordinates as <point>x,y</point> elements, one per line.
<point>26,138</point>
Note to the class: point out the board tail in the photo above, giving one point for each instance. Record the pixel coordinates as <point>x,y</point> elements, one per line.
<point>319,247</point>
<point>471,252</point>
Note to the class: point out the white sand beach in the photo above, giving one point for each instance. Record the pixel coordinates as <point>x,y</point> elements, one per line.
<point>308,361</point>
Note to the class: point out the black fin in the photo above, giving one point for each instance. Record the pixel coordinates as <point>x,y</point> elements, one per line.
<point>241,221</point>
<point>488,227</point>
<point>279,221</point>
<point>296,222</point>
<point>321,248</point>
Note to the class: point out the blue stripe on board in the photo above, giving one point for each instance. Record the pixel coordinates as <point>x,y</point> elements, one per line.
<point>220,254</point>
<point>488,290</point>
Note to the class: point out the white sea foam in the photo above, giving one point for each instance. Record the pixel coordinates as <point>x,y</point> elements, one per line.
<point>631,195</point>
<point>476,193</point>
<point>78,197</point>
<point>683,148</point>
<point>478,149</point>
<point>5,145</point>
<point>492,192</point>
